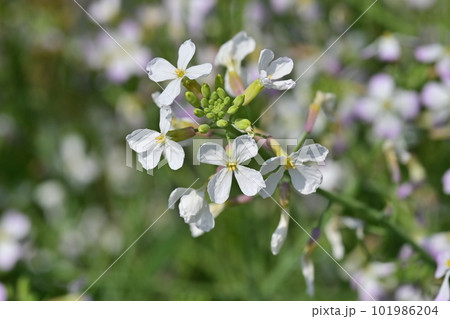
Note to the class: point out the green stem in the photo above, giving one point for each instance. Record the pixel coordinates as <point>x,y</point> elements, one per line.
<point>302,140</point>
<point>364,212</point>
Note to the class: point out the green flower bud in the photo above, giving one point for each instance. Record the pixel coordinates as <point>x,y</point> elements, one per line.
<point>239,100</point>
<point>204,102</point>
<point>192,99</point>
<point>219,83</point>
<point>242,124</point>
<point>206,91</point>
<point>214,96</point>
<point>210,115</point>
<point>221,93</point>
<point>226,101</point>
<point>233,110</point>
<point>199,113</point>
<point>207,109</point>
<point>204,128</point>
<point>181,134</point>
<point>253,90</point>
<point>222,123</point>
<point>221,114</point>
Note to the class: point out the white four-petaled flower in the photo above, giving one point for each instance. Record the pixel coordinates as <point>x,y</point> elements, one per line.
<point>193,207</point>
<point>160,69</point>
<point>271,71</point>
<point>306,179</point>
<point>242,149</point>
<point>150,145</point>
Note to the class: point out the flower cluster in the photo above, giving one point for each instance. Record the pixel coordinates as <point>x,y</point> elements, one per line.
<point>222,110</point>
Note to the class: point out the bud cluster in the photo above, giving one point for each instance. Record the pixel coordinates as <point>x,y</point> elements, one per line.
<point>215,105</point>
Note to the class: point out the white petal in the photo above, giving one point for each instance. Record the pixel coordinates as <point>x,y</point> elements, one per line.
<point>219,186</point>
<point>243,148</point>
<point>442,264</point>
<point>206,220</point>
<point>435,95</point>
<point>165,119</point>
<point>142,139</point>
<point>10,253</point>
<point>280,67</point>
<point>171,92</point>
<point>265,57</point>
<point>444,291</point>
<point>160,69</point>
<point>381,86</point>
<point>250,181</point>
<point>176,194</point>
<point>367,108</point>
<point>243,45</point>
<point>429,53</point>
<point>191,205</point>
<point>155,97</point>
<point>195,231</point>
<point>389,48</point>
<point>185,54</point>
<point>272,183</point>
<point>407,103</point>
<point>197,71</point>
<point>308,273</point>
<point>212,153</point>
<point>225,56</point>
<point>334,237</point>
<point>305,179</point>
<point>279,236</point>
<point>310,153</point>
<point>280,85</point>
<point>388,126</point>
<point>150,158</point>
<point>174,154</point>
<point>271,164</point>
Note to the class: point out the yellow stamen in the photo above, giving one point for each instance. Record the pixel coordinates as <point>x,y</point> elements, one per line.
<point>160,139</point>
<point>289,164</point>
<point>269,77</point>
<point>231,166</point>
<point>179,73</point>
<point>448,263</point>
<point>387,105</point>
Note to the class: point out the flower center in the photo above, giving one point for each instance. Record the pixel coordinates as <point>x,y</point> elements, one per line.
<point>387,105</point>
<point>231,166</point>
<point>448,263</point>
<point>289,164</point>
<point>160,139</point>
<point>269,77</point>
<point>180,73</point>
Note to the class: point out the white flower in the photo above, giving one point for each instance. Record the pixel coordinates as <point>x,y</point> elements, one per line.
<point>279,235</point>
<point>308,272</point>
<point>443,270</point>
<point>14,227</point>
<point>150,145</point>
<point>438,54</point>
<point>269,70</point>
<point>165,111</point>
<point>193,207</point>
<point>305,179</point>
<point>231,54</point>
<point>215,210</point>
<point>242,149</point>
<point>160,69</point>
<point>386,48</point>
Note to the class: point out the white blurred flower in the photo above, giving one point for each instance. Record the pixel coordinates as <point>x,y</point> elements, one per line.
<point>436,97</point>
<point>443,270</point>
<point>215,210</point>
<point>50,195</point>
<point>14,226</point>
<point>150,145</point>
<point>103,53</point>
<point>160,69</point>
<point>270,72</point>
<point>78,165</point>
<point>438,54</point>
<point>249,180</point>
<point>193,207</point>
<point>104,10</point>
<point>308,272</point>
<point>385,48</point>
<point>373,280</point>
<point>387,107</point>
<point>305,179</point>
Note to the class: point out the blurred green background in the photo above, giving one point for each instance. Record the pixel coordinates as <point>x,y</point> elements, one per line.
<point>69,96</point>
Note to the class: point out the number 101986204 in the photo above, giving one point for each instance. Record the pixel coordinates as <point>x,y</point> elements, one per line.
<point>404,310</point>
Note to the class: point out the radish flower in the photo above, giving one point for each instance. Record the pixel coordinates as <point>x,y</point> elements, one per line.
<point>242,149</point>
<point>160,69</point>
<point>271,71</point>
